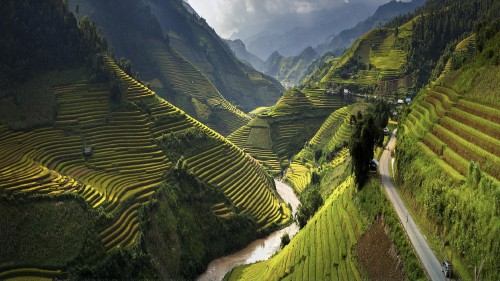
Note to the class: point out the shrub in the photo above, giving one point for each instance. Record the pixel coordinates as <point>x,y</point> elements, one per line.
<point>285,240</point>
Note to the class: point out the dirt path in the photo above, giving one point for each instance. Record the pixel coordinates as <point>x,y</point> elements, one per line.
<point>431,264</point>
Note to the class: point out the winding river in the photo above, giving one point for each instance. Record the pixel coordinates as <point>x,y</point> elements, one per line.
<point>258,250</point>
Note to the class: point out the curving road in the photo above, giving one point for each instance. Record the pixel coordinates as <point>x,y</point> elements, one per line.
<point>431,264</point>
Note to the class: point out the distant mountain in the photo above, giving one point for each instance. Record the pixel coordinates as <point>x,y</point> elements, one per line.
<point>195,40</point>
<point>179,27</point>
<point>291,35</point>
<point>289,70</point>
<point>240,50</point>
<point>382,15</point>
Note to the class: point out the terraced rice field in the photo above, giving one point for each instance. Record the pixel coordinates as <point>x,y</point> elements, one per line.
<point>226,167</point>
<point>188,80</point>
<point>323,100</point>
<point>462,131</point>
<point>341,136</point>
<point>330,126</point>
<point>263,153</point>
<point>322,250</point>
<point>240,178</point>
<point>269,137</point>
<point>290,103</point>
<point>299,175</point>
<point>126,163</point>
<point>462,46</point>
<point>377,48</point>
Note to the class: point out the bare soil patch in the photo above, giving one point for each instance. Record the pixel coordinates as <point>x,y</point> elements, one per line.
<point>377,253</point>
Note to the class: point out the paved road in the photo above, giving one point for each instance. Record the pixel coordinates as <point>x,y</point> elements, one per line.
<point>431,264</point>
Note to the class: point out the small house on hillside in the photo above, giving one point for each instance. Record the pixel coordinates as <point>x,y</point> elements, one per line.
<point>400,101</point>
<point>87,151</point>
<point>408,100</point>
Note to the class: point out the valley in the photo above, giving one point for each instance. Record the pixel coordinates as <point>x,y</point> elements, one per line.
<point>258,250</point>
<point>136,143</point>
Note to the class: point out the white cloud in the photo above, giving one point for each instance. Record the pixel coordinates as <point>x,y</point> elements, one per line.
<point>228,16</point>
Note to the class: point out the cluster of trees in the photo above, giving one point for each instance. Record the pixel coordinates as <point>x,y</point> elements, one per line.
<point>42,35</point>
<point>351,67</point>
<point>367,133</point>
<point>442,22</point>
<point>311,201</point>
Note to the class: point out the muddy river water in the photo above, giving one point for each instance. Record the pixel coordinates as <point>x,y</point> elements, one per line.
<point>258,250</point>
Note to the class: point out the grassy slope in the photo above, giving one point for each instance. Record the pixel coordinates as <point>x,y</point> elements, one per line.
<point>289,124</point>
<point>453,122</point>
<point>132,151</point>
<point>64,226</point>
<point>379,50</point>
<point>320,251</point>
<point>325,248</point>
<point>192,90</point>
<point>198,43</point>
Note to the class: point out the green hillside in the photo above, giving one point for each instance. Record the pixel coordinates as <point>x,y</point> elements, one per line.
<point>375,64</point>
<point>397,59</point>
<point>273,137</point>
<point>329,142</point>
<point>322,250</point>
<point>449,142</point>
<point>192,90</point>
<point>182,74</point>
<point>134,150</point>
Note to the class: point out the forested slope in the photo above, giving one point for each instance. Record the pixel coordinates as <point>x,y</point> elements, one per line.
<point>122,162</point>
<point>398,59</point>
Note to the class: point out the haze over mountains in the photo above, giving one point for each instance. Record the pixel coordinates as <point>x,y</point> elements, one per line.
<point>290,69</point>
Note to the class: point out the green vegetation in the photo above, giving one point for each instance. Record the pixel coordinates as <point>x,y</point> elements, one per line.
<point>64,226</point>
<point>367,133</point>
<point>322,250</point>
<point>375,64</point>
<point>130,135</point>
<point>310,202</point>
<point>325,248</point>
<point>192,90</point>
<point>454,168</point>
<point>273,137</point>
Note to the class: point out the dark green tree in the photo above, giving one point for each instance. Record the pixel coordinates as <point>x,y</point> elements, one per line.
<point>381,111</point>
<point>311,201</point>
<point>117,91</point>
<point>361,147</point>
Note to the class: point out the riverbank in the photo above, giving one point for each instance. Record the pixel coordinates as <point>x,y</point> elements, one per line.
<point>258,250</point>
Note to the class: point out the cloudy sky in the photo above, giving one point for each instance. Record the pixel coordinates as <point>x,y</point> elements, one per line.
<point>230,16</point>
